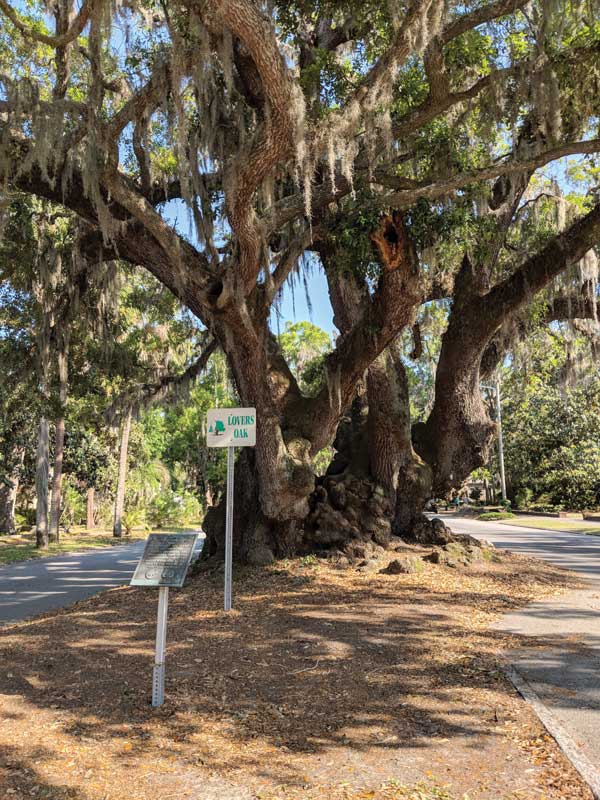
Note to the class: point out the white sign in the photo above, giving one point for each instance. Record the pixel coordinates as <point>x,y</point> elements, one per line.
<point>231,427</point>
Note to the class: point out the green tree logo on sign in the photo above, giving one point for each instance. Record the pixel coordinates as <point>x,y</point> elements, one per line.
<point>218,429</point>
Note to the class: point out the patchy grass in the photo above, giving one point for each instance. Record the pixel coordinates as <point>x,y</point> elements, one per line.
<point>21,546</point>
<point>491,516</point>
<point>551,524</point>
<point>322,683</point>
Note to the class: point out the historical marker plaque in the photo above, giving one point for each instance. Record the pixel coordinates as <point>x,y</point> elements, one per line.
<point>165,560</point>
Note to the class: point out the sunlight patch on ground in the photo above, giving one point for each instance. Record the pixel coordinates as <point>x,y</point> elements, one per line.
<point>550,524</point>
<point>21,546</point>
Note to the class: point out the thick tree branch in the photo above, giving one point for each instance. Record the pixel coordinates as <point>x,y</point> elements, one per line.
<point>188,277</point>
<point>565,249</point>
<point>434,189</point>
<point>276,141</point>
<point>480,16</point>
<point>579,306</point>
<point>142,102</point>
<point>141,210</point>
<point>399,292</point>
<point>458,433</point>
<point>145,394</point>
<point>582,306</point>
<point>74,30</point>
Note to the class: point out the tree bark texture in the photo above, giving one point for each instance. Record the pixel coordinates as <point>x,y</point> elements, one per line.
<point>41,485</point>
<point>257,539</point>
<point>123,463</point>
<point>90,510</point>
<point>55,495</point>
<point>59,444</point>
<point>457,436</point>
<point>8,496</point>
<point>377,485</point>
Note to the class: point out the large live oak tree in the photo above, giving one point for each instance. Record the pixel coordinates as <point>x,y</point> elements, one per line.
<point>373,135</point>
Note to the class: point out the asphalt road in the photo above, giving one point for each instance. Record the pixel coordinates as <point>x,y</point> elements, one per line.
<point>28,588</point>
<point>563,668</point>
<point>575,551</point>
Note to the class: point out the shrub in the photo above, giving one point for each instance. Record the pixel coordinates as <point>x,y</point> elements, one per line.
<point>490,516</point>
<point>73,505</point>
<point>571,475</point>
<point>544,505</point>
<point>170,508</point>
<point>133,518</point>
<point>21,522</point>
<point>524,498</point>
<point>27,516</point>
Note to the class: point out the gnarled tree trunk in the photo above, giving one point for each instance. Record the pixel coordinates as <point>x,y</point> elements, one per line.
<point>284,508</point>
<point>376,484</point>
<point>257,539</point>
<point>274,480</point>
<point>458,434</point>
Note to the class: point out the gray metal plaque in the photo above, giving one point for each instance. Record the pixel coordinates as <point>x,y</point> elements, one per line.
<point>165,560</point>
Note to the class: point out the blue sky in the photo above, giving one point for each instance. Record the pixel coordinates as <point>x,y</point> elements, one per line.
<point>294,307</point>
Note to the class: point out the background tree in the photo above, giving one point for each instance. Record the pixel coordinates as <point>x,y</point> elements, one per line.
<point>125,331</point>
<point>552,424</point>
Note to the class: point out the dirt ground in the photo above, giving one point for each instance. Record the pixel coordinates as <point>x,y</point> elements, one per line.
<point>323,683</point>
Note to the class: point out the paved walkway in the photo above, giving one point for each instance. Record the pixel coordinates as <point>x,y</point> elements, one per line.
<point>564,667</point>
<point>33,587</point>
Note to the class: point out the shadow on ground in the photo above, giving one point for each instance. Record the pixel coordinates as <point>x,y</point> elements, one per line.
<point>316,674</point>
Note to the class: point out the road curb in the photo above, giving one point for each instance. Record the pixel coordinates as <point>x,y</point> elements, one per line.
<point>579,760</point>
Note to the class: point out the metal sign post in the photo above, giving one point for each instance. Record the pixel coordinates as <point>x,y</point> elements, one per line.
<point>164,563</point>
<point>230,428</point>
<point>229,530</point>
<point>158,674</point>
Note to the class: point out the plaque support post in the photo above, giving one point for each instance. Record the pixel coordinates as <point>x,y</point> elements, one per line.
<point>229,531</point>
<point>158,675</point>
